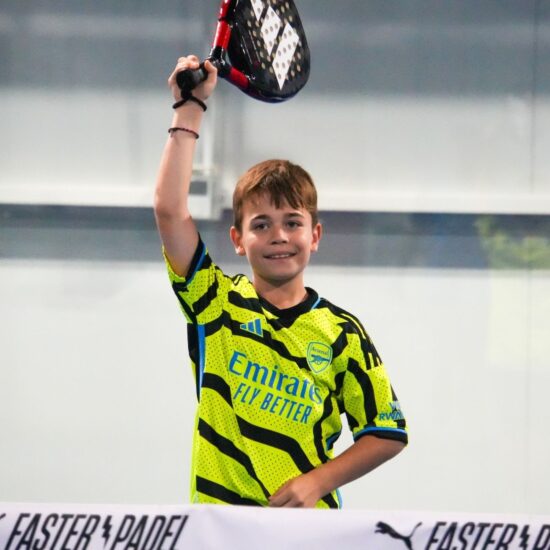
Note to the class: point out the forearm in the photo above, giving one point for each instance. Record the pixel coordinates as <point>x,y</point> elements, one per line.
<point>176,165</point>
<point>362,457</point>
<point>365,455</point>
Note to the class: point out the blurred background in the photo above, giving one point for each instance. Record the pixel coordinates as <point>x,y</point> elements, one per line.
<point>426,126</point>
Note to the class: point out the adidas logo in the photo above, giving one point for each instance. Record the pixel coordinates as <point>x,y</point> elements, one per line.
<point>253,326</point>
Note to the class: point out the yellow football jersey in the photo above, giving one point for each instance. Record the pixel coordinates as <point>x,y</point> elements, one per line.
<point>272,385</point>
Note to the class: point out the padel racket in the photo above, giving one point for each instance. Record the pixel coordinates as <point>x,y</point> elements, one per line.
<point>260,46</point>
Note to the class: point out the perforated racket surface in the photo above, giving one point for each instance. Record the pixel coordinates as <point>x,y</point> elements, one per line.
<point>260,46</point>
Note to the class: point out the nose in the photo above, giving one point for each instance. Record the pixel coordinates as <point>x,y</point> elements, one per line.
<point>278,234</point>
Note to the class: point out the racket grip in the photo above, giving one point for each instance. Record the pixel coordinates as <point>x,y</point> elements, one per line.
<point>190,78</point>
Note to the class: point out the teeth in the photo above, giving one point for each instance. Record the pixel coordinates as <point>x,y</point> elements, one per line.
<point>278,256</point>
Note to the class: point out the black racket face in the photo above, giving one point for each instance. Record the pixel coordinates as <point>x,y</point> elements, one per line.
<point>268,44</point>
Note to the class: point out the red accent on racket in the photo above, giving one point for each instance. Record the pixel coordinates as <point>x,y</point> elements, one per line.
<point>259,46</point>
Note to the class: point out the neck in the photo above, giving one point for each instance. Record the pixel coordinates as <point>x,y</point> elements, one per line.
<point>282,296</point>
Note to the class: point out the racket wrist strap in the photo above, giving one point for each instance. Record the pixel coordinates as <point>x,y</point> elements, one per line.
<point>192,98</point>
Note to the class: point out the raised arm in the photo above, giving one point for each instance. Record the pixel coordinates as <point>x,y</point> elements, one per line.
<point>175,224</point>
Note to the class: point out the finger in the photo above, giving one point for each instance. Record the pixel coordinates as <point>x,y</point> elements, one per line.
<point>274,500</point>
<point>210,67</point>
<point>289,502</point>
<point>280,499</point>
<point>189,62</point>
<point>278,503</point>
<point>188,58</point>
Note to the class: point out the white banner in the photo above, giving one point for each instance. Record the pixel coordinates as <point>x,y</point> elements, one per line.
<point>202,527</point>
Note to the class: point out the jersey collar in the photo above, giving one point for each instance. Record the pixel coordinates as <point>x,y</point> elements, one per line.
<point>291,312</point>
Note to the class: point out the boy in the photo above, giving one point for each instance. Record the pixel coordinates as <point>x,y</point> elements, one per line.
<point>275,365</point>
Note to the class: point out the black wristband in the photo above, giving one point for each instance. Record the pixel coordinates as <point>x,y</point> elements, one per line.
<point>192,98</point>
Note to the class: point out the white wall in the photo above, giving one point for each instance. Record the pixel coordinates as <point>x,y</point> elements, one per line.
<point>368,154</point>
<point>97,399</point>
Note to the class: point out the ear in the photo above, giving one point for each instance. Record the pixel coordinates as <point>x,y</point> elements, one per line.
<point>236,239</point>
<point>317,234</point>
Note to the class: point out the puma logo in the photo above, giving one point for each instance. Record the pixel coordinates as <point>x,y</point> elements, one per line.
<point>386,529</point>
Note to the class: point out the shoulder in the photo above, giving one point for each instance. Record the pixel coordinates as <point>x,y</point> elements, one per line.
<point>240,281</point>
<point>241,292</point>
<point>343,317</point>
<point>242,285</point>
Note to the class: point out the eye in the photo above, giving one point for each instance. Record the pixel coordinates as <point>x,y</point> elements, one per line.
<point>259,226</point>
<point>293,224</point>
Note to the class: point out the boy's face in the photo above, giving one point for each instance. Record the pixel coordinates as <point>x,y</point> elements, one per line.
<point>277,242</point>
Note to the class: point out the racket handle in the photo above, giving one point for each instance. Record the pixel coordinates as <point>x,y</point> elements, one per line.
<point>190,78</point>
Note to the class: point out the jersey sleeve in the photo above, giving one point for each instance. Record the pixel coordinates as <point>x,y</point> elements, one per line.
<point>368,399</point>
<point>203,291</point>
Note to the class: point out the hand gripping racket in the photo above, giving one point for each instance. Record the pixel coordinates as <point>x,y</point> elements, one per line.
<point>260,46</point>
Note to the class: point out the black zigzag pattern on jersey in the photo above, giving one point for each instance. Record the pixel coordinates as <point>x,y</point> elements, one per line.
<point>216,324</point>
<point>237,278</point>
<point>219,385</point>
<point>330,500</point>
<point>352,325</point>
<point>279,323</point>
<point>215,490</point>
<point>318,430</point>
<point>339,345</point>
<point>344,315</point>
<point>352,421</point>
<point>207,261</point>
<point>278,440</point>
<point>180,288</point>
<point>283,443</point>
<point>369,399</point>
<point>227,447</point>
<point>192,336</point>
<point>338,386</point>
<point>193,347</point>
<point>341,342</point>
<point>206,299</point>
<point>250,304</point>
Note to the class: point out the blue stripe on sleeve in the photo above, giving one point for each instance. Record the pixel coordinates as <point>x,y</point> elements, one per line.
<point>199,263</point>
<point>331,440</point>
<point>339,496</point>
<point>202,338</point>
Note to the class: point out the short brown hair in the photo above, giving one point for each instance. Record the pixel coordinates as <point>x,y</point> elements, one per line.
<point>282,181</point>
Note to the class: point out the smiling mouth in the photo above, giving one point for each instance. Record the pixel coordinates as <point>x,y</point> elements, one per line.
<point>279,256</point>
